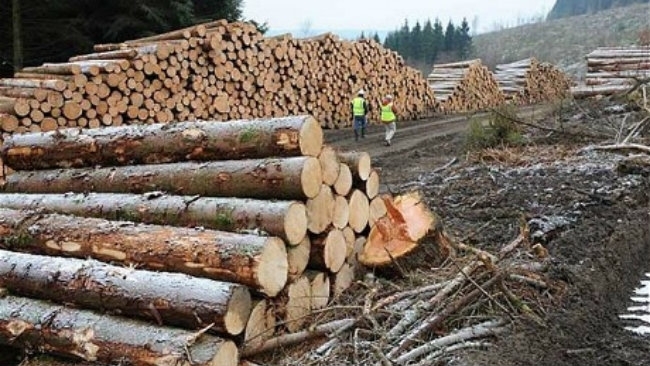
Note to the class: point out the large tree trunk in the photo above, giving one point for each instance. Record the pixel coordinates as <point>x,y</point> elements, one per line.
<point>285,219</point>
<point>38,325</point>
<point>289,178</point>
<point>165,143</point>
<point>258,262</point>
<point>167,298</point>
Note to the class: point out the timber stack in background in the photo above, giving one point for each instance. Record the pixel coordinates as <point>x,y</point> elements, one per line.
<point>245,247</point>
<point>613,70</point>
<point>529,81</point>
<point>218,71</point>
<point>464,86</point>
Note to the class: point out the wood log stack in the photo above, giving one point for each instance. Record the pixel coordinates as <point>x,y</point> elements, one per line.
<point>464,86</point>
<point>214,71</point>
<point>529,81</point>
<point>193,217</point>
<point>612,70</point>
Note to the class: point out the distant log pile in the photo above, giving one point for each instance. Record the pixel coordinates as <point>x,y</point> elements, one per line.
<point>612,70</point>
<point>464,86</point>
<point>195,241</point>
<point>214,71</point>
<point>529,81</point>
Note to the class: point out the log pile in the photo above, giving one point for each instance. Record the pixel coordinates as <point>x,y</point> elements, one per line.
<point>464,86</point>
<point>243,249</point>
<point>529,82</point>
<point>214,71</point>
<point>613,70</point>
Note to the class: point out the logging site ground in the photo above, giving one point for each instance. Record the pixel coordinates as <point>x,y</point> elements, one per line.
<point>590,216</point>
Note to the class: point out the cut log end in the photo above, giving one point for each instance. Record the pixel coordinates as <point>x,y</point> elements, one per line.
<point>298,306</point>
<point>359,211</point>
<point>239,310</point>
<point>408,220</point>
<point>295,223</point>
<point>228,355</point>
<point>320,210</point>
<point>273,268</point>
<point>298,257</point>
<point>344,181</point>
<point>320,290</point>
<point>364,165</point>
<point>372,184</point>
<point>341,215</point>
<point>260,325</point>
<point>311,178</point>
<point>328,252</point>
<point>330,165</point>
<point>311,137</point>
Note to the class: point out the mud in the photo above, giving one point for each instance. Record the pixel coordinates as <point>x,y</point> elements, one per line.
<point>593,221</point>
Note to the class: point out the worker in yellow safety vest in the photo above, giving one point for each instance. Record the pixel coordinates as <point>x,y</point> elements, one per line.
<point>388,118</point>
<point>359,112</point>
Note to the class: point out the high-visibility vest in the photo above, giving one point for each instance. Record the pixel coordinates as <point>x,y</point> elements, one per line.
<point>357,107</point>
<point>387,115</point>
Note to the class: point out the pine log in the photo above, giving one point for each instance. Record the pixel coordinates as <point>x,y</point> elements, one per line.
<point>258,262</point>
<point>371,186</point>
<point>344,181</point>
<point>328,251</point>
<point>399,233</point>
<point>261,324</point>
<point>320,210</point>
<point>287,178</point>
<point>320,289</point>
<point>341,212</point>
<point>359,163</point>
<point>298,258</point>
<point>342,280</point>
<point>38,325</point>
<point>52,84</point>
<point>359,210</point>
<point>285,219</point>
<point>167,298</point>
<point>329,165</point>
<point>164,143</point>
<point>293,305</point>
<point>377,210</point>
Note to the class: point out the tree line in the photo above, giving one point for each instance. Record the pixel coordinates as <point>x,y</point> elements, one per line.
<point>426,44</point>
<point>37,31</point>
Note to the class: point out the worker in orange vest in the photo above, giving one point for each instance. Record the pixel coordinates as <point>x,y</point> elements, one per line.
<point>388,118</point>
<point>360,110</point>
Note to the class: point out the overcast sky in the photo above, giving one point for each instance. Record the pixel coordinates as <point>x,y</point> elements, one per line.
<point>388,14</point>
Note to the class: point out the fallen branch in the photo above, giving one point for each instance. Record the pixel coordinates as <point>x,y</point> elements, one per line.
<point>617,147</point>
<point>295,338</point>
<point>483,330</point>
<point>457,347</point>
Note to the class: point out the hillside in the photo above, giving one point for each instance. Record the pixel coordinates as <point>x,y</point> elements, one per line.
<point>569,8</point>
<point>565,41</point>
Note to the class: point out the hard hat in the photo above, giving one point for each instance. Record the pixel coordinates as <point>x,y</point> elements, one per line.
<point>388,96</point>
<point>361,92</point>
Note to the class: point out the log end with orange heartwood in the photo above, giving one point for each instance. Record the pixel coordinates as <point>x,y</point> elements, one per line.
<point>407,225</point>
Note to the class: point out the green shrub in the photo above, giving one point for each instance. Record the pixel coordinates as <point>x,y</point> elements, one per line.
<point>500,129</point>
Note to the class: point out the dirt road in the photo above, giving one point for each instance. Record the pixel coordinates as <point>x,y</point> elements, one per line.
<point>413,133</point>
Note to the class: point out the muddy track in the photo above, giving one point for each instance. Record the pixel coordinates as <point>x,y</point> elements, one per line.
<point>412,133</point>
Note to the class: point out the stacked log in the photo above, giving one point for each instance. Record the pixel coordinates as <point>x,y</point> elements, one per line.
<point>529,81</point>
<point>612,70</point>
<point>464,86</point>
<point>214,71</point>
<point>243,248</point>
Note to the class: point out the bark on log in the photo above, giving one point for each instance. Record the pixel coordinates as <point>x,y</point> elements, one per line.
<point>165,143</point>
<point>285,219</point>
<point>39,325</point>
<point>288,178</point>
<point>258,262</point>
<point>166,298</point>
